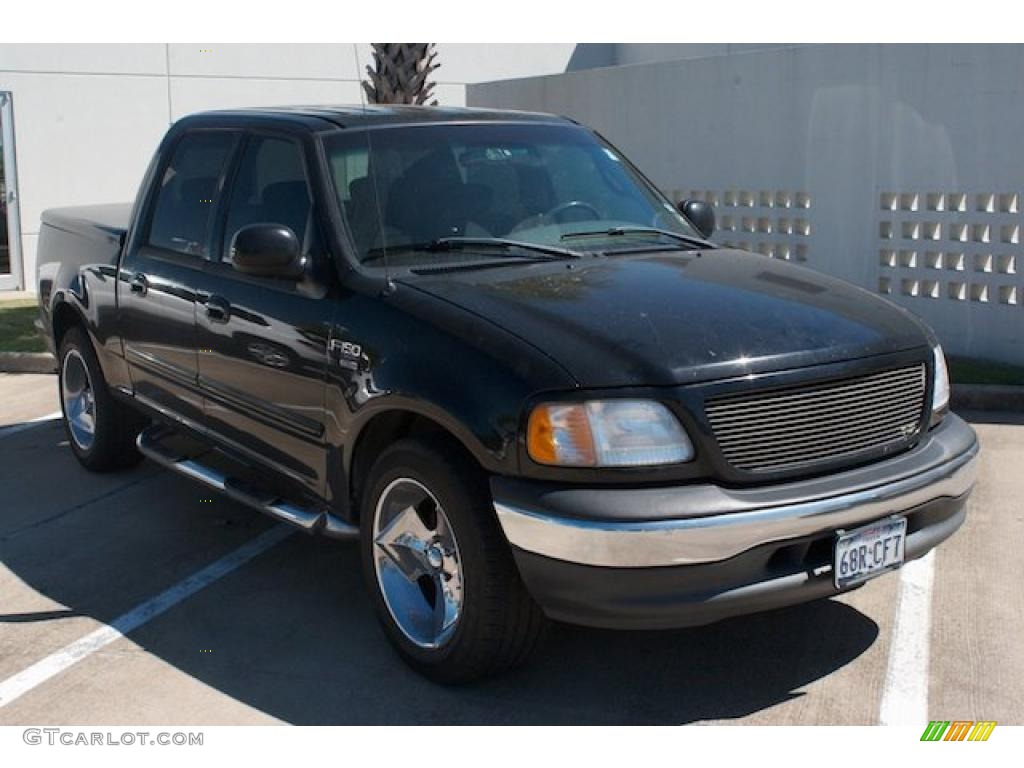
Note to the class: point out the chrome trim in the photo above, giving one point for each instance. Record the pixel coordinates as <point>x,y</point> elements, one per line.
<point>336,528</point>
<point>824,421</point>
<point>214,437</point>
<point>308,519</point>
<point>78,399</point>
<point>417,563</point>
<point>645,544</point>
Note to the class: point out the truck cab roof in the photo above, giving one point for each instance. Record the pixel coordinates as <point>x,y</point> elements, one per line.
<point>359,116</point>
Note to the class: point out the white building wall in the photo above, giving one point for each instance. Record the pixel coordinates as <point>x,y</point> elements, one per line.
<point>896,167</point>
<point>88,117</point>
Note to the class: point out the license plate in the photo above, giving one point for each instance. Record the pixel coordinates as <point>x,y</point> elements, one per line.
<point>866,552</point>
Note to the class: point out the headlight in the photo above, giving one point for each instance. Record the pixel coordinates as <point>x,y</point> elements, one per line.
<point>940,390</point>
<point>606,433</point>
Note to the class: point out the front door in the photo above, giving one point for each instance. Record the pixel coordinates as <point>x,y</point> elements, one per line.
<point>263,340</point>
<point>11,276</point>
<point>158,277</point>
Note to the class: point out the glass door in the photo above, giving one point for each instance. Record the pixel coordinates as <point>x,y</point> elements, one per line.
<point>11,276</point>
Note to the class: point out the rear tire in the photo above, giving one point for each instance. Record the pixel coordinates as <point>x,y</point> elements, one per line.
<point>101,431</point>
<point>426,512</point>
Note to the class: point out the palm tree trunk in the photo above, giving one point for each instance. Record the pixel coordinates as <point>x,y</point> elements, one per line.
<point>399,73</point>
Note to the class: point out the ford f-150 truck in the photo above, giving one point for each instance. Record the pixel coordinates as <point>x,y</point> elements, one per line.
<point>486,346</point>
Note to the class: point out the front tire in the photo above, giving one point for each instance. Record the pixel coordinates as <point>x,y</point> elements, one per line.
<point>439,571</point>
<point>101,430</point>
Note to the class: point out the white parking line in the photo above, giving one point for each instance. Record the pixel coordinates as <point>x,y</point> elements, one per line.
<point>905,696</point>
<point>16,428</point>
<point>24,681</point>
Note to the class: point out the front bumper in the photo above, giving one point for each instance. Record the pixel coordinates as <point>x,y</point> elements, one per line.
<point>670,557</point>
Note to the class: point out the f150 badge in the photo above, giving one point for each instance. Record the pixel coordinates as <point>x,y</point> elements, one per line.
<point>347,353</point>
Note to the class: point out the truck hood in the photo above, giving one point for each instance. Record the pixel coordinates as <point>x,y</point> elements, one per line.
<point>667,317</point>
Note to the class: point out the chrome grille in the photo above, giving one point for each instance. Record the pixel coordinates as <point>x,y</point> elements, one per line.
<point>787,428</point>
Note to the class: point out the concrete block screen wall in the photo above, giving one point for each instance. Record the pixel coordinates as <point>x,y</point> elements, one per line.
<point>899,167</point>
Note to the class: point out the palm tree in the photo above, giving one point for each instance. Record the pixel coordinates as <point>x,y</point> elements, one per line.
<point>399,73</point>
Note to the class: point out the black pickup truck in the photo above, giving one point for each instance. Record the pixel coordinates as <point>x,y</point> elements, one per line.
<point>486,346</point>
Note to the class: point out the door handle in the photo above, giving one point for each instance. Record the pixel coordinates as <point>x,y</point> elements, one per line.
<point>218,309</point>
<point>139,284</point>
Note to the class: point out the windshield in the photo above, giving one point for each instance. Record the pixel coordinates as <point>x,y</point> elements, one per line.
<point>402,189</point>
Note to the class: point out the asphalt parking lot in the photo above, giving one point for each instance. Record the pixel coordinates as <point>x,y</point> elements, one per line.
<point>289,636</point>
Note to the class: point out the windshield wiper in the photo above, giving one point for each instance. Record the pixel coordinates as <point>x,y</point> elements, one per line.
<point>461,243</point>
<point>620,231</point>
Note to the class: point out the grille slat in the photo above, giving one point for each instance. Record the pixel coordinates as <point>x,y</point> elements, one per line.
<point>814,399</point>
<point>813,415</point>
<point>785,461</point>
<point>794,446</point>
<point>803,425</point>
<point>823,432</point>
<point>809,406</point>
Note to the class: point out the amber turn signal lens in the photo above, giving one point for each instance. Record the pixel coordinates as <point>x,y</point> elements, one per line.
<point>607,433</point>
<point>560,434</point>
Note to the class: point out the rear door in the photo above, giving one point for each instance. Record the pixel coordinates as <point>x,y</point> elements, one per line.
<point>262,340</point>
<point>156,297</point>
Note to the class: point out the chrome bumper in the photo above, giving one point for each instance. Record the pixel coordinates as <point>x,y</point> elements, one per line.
<point>715,523</point>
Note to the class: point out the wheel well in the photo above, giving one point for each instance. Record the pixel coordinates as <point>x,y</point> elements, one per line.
<point>385,429</point>
<point>65,317</point>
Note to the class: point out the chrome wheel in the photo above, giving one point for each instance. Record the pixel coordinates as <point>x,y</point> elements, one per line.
<point>79,399</point>
<point>416,560</point>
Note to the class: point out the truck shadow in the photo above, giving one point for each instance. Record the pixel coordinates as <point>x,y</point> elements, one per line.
<point>293,635</point>
<point>318,657</point>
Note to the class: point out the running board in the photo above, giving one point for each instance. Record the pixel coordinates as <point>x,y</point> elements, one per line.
<point>309,520</point>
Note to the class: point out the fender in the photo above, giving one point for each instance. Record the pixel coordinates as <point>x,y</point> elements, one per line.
<point>411,353</point>
<point>78,256</point>
<point>88,296</point>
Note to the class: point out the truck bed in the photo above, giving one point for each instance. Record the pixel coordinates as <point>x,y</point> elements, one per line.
<point>79,246</point>
<point>107,222</point>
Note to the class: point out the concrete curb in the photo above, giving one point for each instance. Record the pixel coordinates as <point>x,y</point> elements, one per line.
<point>987,397</point>
<point>27,362</point>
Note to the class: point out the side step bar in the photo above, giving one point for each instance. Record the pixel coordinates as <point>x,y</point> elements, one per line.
<point>308,519</point>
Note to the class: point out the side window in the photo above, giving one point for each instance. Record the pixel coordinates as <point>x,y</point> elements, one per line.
<point>188,192</point>
<point>270,187</point>
<point>359,201</point>
<point>350,169</point>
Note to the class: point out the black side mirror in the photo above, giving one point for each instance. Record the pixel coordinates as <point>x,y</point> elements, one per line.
<point>267,250</point>
<point>700,214</point>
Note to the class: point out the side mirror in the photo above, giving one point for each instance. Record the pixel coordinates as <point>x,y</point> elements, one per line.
<point>267,250</point>
<point>700,214</point>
